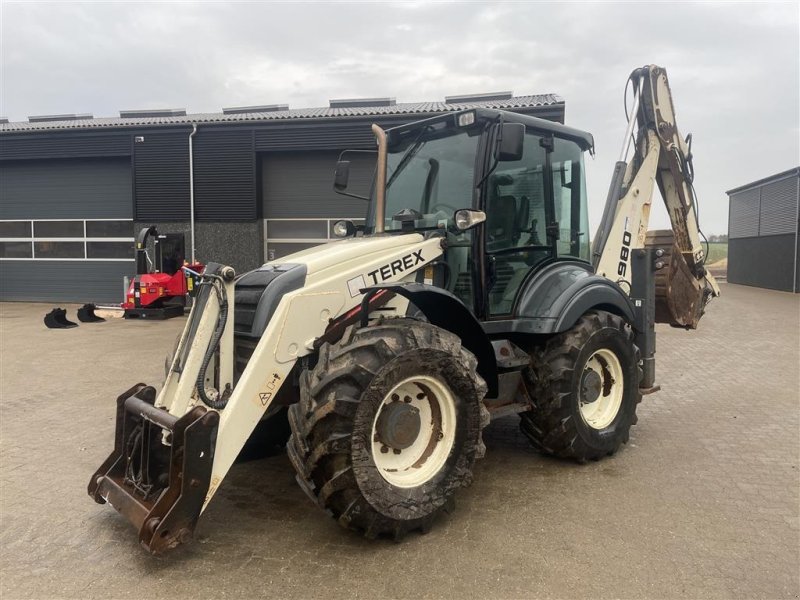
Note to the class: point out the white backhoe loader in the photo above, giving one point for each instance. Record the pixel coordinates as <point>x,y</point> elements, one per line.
<point>472,292</point>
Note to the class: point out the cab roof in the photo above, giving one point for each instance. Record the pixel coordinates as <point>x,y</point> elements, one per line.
<point>582,138</point>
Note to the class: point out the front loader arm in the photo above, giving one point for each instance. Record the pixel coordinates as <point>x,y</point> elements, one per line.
<point>660,157</point>
<point>173,451</point>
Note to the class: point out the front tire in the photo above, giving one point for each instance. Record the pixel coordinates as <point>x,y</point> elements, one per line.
<point>585,388</point>
<point>388,426</point>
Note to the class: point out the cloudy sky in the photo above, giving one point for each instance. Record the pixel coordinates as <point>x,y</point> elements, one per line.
<point>734,68</point>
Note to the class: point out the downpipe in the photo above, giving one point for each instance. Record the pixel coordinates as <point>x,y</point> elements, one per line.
<point>191,188</point>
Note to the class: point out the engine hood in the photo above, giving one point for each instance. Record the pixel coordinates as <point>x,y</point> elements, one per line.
<point>325,256</point>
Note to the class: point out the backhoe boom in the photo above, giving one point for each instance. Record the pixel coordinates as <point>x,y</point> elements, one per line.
<point>661,157</point>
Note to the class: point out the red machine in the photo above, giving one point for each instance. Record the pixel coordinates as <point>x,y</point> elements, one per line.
<point>160,287</point>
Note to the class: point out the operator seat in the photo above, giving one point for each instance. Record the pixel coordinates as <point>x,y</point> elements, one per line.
<point>502,232</point>
<point>501,223</point>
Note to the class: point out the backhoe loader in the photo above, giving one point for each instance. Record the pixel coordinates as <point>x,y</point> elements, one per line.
<point>472,292</point>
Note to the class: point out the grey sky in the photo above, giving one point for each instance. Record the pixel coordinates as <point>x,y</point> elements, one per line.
<point>734,68</point>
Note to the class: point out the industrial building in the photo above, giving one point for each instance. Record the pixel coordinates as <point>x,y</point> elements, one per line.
<point>763,223</point>
<point>254,183</point>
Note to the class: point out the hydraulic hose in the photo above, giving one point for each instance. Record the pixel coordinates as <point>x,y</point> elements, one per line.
<point>221,399</point>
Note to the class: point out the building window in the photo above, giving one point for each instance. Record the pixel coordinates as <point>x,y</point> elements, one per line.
<point>15,250</point>
<point>109,250</point>
<point>58,229</point>
<point>58,249</point>
<point>287,236</point>
<point>67,239</point>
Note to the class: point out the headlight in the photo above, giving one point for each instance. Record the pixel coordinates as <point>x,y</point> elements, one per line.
<point>466,119</point>
<point>343,229</point>
<point>466,218</point>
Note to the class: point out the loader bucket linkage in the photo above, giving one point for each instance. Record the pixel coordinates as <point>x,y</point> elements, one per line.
<point>159,488</point>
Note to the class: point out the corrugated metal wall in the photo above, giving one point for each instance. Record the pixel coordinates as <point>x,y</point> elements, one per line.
<point>225,175</point>
<point>320,136</point>
<point>64,281</point>
<point>744,211</point>
<point>300,184</point>
<point>762,235</point>
<point>161,176</point>
<point>767,262</point>
<point>778,214</point>
<point>78,188</point>
<point>65,145</point>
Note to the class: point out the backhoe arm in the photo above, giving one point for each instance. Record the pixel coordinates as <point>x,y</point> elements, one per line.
<point>660,156</point>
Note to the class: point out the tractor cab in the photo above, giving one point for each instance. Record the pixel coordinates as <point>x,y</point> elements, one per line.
<point>507,191</point>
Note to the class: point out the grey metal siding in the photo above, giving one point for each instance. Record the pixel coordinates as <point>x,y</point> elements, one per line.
<point>766,261</point>
<point>63,281</point>
<point>300,184</point>
<point>327,136</point>
<point>778,213</point>
<point>65,145</point>
<point>161,176</point>
<point>744,213</point>
<point>66,189</point>
<point>225,175</point>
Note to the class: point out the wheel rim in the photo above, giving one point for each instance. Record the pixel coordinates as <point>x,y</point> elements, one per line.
<point>601,389</point>
<point>418,416</point>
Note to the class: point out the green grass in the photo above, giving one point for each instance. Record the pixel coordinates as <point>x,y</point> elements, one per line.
<point>716,252</point>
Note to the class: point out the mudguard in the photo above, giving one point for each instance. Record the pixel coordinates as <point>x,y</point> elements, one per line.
<point>554,298</point>
<point>445,310</point>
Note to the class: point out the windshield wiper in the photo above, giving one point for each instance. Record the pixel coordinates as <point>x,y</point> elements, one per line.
<point>415,147</point>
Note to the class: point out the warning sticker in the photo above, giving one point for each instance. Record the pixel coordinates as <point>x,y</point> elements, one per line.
<point>355,285</point>
<point>272,388</point>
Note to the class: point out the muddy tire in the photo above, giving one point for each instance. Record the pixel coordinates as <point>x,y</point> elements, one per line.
<point>585,388</point>
<point>388,426</point>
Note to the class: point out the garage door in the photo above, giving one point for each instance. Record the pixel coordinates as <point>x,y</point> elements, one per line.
<point>66,229</point>
<point>298,201</point>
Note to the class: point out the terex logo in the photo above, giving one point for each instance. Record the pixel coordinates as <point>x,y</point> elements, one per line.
<point>396,266</point>
<point>381,274</point>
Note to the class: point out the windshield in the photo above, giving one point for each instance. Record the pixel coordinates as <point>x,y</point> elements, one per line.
<point>432,173</point>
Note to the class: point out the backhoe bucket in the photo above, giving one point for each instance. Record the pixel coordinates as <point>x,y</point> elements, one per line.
<point>86,314</point>
<point>680,296</point>
<point>57,319</point>
<point>159,488</point>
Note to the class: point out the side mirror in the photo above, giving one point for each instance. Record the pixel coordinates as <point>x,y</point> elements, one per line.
<point>341,175</point>
<point>512,137</point>
<point>467,218</point>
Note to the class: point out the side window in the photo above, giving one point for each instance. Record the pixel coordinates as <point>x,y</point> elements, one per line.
<point>515,204</point>
<point>515,223</point>
<point>569,195</point>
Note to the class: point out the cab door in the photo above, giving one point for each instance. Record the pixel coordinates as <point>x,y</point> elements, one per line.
<point>535,212</point>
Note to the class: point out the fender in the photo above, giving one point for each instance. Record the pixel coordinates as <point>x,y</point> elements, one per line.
<point>554,298</point>
<point>445,310</point>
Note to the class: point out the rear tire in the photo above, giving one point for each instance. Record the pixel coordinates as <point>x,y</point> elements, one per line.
<point>371,477</point>
<point>585,389</point>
